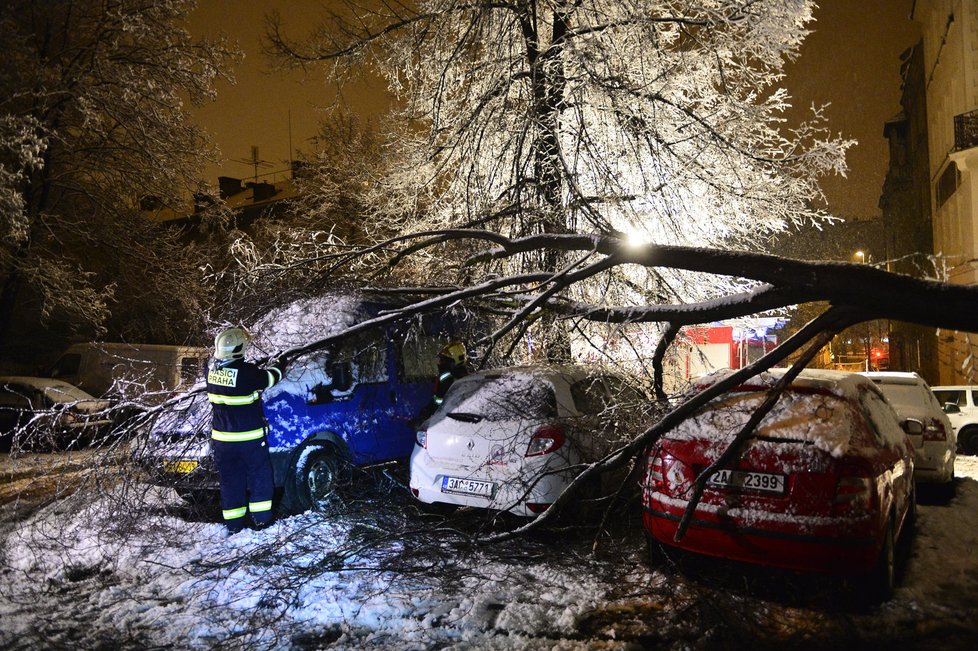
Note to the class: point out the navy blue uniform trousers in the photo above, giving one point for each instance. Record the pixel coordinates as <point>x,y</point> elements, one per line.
<point>253,487</point>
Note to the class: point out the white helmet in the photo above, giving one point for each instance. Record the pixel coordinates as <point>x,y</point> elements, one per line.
<point>230,344</point>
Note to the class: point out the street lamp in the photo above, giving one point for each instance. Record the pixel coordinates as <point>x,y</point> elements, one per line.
<point>861,257</point>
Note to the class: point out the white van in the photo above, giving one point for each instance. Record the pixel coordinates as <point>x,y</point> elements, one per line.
<point>130,371</point>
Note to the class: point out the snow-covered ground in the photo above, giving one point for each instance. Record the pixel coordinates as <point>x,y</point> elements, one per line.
<point>105,574</point>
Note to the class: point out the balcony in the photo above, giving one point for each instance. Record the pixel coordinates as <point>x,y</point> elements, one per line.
<point>966,130</point>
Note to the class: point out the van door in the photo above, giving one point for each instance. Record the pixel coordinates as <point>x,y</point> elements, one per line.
<point>349,395</point>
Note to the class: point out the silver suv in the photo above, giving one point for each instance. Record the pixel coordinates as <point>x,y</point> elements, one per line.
<point>961,406</point>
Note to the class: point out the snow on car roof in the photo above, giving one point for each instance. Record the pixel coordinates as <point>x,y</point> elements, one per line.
<point>305,320</point>
<point>893,377</point>
<point>841,383</point>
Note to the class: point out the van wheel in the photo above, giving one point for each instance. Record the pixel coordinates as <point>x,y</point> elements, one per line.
<point>317,480</point>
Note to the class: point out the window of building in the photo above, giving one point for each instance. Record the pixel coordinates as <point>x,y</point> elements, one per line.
<point>947,184</point>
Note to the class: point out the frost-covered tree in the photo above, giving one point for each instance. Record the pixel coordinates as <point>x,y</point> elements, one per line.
<point>94,115</point>
<point>658,119</point>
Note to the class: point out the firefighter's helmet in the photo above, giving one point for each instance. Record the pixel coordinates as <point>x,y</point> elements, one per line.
<point>454,351</point>
<point>230,344</point>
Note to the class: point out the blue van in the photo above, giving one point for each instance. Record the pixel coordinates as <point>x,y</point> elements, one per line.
<point>351,404</point>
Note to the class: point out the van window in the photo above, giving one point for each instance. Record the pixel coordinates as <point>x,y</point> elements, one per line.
<point>419,357</point>
<point>367,356</point>
<point>190,369</point>
<point>67,366</point>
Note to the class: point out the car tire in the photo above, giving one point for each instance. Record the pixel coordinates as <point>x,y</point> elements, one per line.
<point>655,553</point>
<point>968,441</point>
<point>315,484</point>
<point>882,580</point>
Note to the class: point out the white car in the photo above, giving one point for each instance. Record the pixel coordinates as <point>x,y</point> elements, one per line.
<point>911,397</point>
<point>961,406</point>
<point>512,439</point>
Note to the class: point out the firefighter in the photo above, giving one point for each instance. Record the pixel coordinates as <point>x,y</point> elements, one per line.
<point>452,364</point>
<point>238,431</point>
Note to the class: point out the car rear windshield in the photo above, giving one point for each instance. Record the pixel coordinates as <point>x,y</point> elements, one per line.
<point>803,416</point>
<point>501,397</point>
<point>906,394</point>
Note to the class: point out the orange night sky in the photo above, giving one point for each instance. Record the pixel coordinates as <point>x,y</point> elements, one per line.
<point>851,61</point>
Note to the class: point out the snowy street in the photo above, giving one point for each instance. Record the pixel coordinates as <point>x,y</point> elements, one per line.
<point>101,574</point>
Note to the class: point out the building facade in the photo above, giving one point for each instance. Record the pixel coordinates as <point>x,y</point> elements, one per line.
<point>905,204</point>
<point>950,68</point>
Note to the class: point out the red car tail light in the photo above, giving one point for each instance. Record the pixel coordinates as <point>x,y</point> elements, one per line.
<point>934,431</point>
<point>855,492</point>
<point>669,475</point>
<point>545,440</point>
<point>535,507</point>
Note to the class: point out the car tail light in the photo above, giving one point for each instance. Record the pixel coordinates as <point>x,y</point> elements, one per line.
<point>545,440</point>
<point>421,438</point>
<point>856,490</point>
<point>537,507</point>
<point>669,475</point>
<point>416,492</point>
<point>934,431</point>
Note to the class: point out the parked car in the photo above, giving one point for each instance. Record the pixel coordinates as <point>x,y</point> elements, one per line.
<point>961,406</point>
<point>824,485</point>
<point>512,439</point>
<point>350,404</point>
<point>44,414</point>
<point>911,397</point>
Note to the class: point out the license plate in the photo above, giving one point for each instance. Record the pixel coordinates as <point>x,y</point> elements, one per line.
<point>467,486</point>
<point>180,467</point>
<point>749,481</point>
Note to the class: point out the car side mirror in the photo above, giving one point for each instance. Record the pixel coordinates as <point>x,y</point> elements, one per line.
<point>951,408</point>
<point>912,426</point>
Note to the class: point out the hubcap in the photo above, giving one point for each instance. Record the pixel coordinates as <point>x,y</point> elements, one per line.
<point>320,480</point>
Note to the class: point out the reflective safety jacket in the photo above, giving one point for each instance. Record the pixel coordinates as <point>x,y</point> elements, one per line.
<point>234,390</point>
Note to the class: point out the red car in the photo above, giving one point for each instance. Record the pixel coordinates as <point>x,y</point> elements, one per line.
<point>824,485</point>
